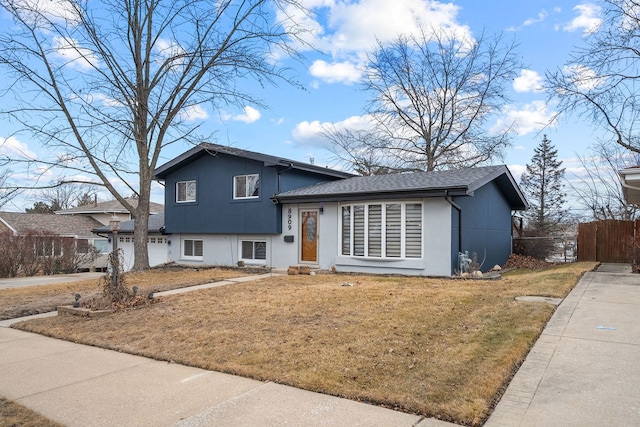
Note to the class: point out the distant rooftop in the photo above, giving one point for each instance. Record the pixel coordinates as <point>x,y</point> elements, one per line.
<point>111,206</point>
<point>72,226</point>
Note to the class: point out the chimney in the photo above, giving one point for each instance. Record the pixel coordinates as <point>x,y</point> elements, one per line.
<point>95,200</point>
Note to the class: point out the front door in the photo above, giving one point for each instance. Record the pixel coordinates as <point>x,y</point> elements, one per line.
<point>309,238</point>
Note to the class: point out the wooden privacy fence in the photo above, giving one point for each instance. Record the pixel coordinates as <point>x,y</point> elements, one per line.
<point>606,240</point>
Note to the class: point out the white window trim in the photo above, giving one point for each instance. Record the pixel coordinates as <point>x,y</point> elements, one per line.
<point>403,230</point>
<point>253,260</point>
<point>191,257</point>
<point>245,176</point>
<point>195,193</point>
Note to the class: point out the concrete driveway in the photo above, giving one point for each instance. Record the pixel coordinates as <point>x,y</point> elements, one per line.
<point>17,282</point>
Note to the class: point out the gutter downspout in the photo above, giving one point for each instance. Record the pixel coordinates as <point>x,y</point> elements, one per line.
<point>459,209</point>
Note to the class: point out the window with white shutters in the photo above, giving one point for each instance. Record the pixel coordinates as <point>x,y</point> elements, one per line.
<point>382,230</point>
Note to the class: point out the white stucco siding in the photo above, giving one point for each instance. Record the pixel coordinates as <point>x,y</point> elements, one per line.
<point>288,253</point>
<point>436,238</point>
<point>224,249</point>
<point>284,250</point>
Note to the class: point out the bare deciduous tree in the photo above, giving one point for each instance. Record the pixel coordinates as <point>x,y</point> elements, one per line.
<point>601,80</point>
<point>599,190</point>
<point>67,196</point>
<point>108,84</point>
<point>7,192</point>
<point>433,95</point>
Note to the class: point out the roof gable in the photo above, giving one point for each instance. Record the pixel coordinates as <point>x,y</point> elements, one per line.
<point>458,182</point>
<point>213,149</point>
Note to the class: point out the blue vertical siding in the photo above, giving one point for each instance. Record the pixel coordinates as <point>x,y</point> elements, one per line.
<point>215,211</point>
<point>486,227</point>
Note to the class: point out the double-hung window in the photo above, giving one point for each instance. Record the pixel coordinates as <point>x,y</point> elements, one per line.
<point>246,186</point>
<point>186,191</point>
<point>382,230</point>
<point>192,249</point>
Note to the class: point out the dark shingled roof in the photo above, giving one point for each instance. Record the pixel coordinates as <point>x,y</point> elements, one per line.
<point>459,182</point>
<point>156,225</point>
<point>62,225</point>
<point>207,148</point>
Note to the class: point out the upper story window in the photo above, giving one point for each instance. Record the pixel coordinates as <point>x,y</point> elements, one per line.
<point>185,191</point>
<point>246,186</point>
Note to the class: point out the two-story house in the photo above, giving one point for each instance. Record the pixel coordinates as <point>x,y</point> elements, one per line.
<point>225,205</point>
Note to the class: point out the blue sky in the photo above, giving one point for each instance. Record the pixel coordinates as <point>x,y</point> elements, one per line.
<point>547,32</point>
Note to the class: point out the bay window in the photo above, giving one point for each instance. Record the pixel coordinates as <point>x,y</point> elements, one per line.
<point>382,230</point>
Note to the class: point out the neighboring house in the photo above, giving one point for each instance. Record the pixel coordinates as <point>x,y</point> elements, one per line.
<point>156,241</point>
<point>103,211</point>
<point>47,226</point>
<point>630,181</point>
<point>224,205</point>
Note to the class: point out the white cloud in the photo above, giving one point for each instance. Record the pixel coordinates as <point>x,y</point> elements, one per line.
<point>588,19</point>
<point>13,148</point>
<point>193,113</point>
<point>517,171</point>
<point>532,117</point>
<point>168,49</point>
<point>345,72</point>
<point>348,29</point>
<point>310,133</point>
<point>583,78</point>
<point>541,17</point>
<point>76,56</point>
<point>47,10</point>
<point>250,115</point>
<point>528,81</point>
<point>104,99</point>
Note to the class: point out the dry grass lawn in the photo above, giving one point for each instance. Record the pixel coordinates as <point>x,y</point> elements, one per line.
<point>436,347</point>
<point>13,414</point>
<point>18,302</point>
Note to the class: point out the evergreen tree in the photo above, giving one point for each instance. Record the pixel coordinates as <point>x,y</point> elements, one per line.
<point>543,188</point>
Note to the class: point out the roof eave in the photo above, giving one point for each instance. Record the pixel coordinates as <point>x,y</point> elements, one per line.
<point>377,195</point>
<point>161,172</point>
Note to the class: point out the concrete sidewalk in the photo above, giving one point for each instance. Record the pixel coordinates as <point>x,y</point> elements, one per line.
<point>18,282</point>
<point>584,369</point>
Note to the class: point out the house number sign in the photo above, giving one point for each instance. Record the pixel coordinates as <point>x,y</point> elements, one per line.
<point>289,220</point>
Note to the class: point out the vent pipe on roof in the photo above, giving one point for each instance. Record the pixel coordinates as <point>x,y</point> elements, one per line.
<point>95,200</point>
